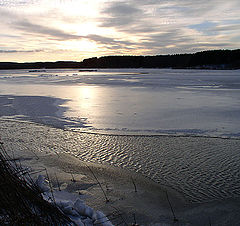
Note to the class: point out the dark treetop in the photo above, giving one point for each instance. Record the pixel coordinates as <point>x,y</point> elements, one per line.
<point>213,59</point>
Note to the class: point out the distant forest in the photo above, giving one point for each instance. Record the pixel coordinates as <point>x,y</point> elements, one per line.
<point>213,59</point>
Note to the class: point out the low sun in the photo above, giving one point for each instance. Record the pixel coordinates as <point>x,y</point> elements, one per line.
<point>79,45</point>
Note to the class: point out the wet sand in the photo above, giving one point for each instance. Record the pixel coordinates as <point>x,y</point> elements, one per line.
<point>34,145</point>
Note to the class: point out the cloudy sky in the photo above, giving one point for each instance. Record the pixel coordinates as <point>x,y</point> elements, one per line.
<point>51,30</point>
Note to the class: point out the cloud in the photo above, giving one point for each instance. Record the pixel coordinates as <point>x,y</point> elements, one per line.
<point>206,28</point>
<point>164,25</point>
<point>9,36</point>
<point>107,41</point>
<point>120,13</point>
<point>33,30</point>
<point>7,3</point>
<point>60,35</point>
<point>26,26</point>
<point>21,51</point>
<point>154,13</point>
<point>21,23</point>
<point>230,27</point>
<point>121,9</point>
<point>119,26</point>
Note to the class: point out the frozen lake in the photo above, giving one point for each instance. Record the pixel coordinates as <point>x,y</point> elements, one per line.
<point>125,112</point>
<point>126,101</point>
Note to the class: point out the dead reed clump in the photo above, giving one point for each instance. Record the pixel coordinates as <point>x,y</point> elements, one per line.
<point>21,202</point>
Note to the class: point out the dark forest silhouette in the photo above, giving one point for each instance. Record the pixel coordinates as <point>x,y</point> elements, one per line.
<point>212,59</point>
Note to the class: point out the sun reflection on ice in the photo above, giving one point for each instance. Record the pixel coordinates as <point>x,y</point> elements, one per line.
<point>86,92</point>
<point>86,95</point>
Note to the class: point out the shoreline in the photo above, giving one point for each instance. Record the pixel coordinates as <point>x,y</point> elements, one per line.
<point>74,130</point>
<point>148,204</point>
<point>119,188</point>
<point>117,183</point>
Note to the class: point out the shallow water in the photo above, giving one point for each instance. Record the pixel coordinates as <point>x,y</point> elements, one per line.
<point>202,169</point>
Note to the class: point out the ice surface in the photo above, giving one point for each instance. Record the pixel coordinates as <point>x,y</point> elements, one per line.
<point>126,101</point>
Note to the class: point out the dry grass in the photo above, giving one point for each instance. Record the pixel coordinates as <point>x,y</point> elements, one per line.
<point>21,202</point>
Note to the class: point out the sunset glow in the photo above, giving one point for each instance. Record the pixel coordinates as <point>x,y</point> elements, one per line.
<point>40,30</point>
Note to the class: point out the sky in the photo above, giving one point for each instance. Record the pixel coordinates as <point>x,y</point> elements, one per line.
<point>72,30</point>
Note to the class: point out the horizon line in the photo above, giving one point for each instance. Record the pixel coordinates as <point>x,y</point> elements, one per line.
<point>74,61</point>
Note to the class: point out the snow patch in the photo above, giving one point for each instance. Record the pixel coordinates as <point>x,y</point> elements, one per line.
<point>72,206</point>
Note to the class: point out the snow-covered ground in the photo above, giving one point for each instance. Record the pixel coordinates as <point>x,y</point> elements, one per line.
<point>70,204</point>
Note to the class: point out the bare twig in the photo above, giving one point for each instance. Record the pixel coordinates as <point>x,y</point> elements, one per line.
<point>107,200</point>
<point>57,182</point>
<point>135,187</point>
<point>174,217</point>
<point>134,218</point>
<point>51,187</point>
<point>209,220</point>
<point>73,180</point>
<point>120,214</point>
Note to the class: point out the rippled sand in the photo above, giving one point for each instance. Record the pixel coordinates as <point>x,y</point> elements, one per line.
<point>201,174</point>
<point>202,169</point>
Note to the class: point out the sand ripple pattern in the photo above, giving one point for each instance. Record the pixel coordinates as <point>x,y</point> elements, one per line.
<point>202,169</point>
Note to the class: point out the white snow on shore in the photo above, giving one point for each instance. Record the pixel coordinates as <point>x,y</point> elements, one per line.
<point>72,206</point>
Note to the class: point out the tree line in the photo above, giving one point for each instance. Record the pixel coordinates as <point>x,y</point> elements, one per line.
<point>212,59</point>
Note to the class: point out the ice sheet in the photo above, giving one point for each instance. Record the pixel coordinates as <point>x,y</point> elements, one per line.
<point>127,101</point>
